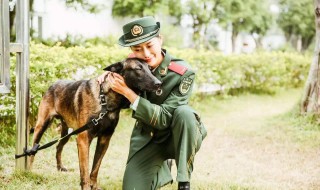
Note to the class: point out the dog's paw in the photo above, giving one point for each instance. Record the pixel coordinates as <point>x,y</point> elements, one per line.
<point>62,169</point>
<point>95,188</point>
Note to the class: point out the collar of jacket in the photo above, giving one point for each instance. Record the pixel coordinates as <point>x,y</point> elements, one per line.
<point>162,69</point>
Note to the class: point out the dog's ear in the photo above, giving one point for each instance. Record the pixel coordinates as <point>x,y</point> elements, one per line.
<point>115,67</point>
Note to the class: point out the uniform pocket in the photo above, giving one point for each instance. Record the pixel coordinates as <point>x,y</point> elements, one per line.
<point>201,126</point>
<point>202,132</point>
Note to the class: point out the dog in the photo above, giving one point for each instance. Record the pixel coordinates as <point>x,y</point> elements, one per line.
<point>77,102</point>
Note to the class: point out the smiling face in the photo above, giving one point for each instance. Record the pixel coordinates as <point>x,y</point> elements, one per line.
<point>149,51</point>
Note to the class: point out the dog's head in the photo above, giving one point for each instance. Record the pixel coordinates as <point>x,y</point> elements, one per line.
<point>136,74</point>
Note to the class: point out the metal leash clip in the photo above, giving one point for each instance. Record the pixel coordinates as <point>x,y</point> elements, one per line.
<point>96,121</point>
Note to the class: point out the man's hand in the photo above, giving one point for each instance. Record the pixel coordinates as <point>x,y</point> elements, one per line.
<point>102,77</point>
<point>118,85</point>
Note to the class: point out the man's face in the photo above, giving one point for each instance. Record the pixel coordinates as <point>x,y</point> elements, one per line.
<point>149,51</point>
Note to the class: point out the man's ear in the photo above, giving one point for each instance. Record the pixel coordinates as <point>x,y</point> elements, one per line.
<point>115,67</point>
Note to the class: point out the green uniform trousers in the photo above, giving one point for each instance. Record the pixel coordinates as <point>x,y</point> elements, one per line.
<point>148,168</point>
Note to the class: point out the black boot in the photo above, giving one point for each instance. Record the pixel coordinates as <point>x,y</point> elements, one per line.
<point>184,186</point>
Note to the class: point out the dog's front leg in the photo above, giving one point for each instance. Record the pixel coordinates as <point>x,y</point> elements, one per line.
<point>102,146</point>
<point>83,154</point>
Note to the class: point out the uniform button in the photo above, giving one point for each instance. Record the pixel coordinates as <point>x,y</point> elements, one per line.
<point>151,134</point>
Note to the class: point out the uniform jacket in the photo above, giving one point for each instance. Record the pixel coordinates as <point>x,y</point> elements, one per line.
<point>154,111</point>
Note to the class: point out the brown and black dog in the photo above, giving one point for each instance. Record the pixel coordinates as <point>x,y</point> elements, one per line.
<point>77,102</point>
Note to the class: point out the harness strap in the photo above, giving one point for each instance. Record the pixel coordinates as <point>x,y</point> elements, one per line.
<point>90,124</point>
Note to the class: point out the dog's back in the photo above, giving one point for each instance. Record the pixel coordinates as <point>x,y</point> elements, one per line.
<point>70,99</point>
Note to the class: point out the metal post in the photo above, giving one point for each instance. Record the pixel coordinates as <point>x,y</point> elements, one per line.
<point>22,82</point>
<point>4,47</point>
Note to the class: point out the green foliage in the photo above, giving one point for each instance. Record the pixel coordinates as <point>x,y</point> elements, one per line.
<point>85,5</point>
<point>123,8</point>
<point>202,13</point>
<point>262,22</point>
<point>78,40</point>
<point>7,126</point>
<point>297,21</point>
<point>171,39</point>
<point>258,73</point>
<point>252,16</point>
<point>302,121</point>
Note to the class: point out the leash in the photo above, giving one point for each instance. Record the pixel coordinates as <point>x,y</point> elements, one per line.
<point>90,124</point>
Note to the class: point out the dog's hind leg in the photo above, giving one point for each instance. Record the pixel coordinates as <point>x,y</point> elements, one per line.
<point>64,131</point>
<point>102,146</point>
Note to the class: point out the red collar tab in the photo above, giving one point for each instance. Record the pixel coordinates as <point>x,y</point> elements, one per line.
<point>131,55</point>
<point>180,69</point>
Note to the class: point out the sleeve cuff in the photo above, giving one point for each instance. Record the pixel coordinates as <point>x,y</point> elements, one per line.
<point>134,105</point>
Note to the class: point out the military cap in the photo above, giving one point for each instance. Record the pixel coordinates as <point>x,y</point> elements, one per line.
<point>139,31</point>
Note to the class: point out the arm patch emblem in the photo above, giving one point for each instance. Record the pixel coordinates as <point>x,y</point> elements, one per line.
<point>185,85</point>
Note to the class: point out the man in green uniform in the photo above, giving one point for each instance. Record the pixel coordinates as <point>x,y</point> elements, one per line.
<point>166,127</point>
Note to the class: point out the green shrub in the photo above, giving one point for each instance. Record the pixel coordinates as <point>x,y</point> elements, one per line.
<point>263,72</point>
<point>257,73</point>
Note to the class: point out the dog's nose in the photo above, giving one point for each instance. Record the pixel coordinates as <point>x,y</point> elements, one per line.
<point>157,83</point>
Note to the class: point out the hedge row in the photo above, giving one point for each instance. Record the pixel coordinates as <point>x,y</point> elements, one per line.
<point>258,73</point>
<point>263,72</point>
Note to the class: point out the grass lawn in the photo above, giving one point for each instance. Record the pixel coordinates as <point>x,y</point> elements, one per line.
<point>253,142</point>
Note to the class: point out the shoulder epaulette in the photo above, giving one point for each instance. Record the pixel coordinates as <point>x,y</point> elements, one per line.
<point>180,69</point>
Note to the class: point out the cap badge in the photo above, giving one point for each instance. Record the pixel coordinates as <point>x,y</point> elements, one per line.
<point>136,30</point>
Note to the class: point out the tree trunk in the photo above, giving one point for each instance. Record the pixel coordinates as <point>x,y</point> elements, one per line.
<point>306,42</point>
<point>258,42</point>
<point>310,100</point>
<point>234,37</point>
<point>299,43</point>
